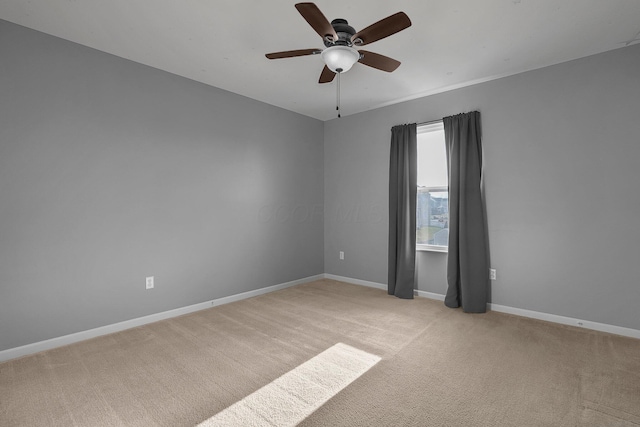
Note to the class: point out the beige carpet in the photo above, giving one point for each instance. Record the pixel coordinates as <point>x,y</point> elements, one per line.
<point>438,367</point>
<point>290,399</point>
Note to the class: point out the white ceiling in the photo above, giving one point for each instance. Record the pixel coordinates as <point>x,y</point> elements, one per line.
<point>222,43</point>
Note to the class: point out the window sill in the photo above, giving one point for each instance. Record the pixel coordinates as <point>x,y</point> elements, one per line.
<point>431,248</point>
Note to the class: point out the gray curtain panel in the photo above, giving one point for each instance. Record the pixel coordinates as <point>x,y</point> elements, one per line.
<point>467,262</point>
<point>403,181</point>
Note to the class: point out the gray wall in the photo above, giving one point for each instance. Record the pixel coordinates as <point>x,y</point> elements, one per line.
<point>562,150</point>
<point>111,171</point>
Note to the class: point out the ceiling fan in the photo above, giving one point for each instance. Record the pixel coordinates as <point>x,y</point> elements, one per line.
<point>341,41</point>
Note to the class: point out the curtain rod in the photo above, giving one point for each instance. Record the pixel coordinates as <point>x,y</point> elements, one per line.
<point>429,123</point>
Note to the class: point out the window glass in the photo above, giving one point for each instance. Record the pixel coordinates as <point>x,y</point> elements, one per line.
<point>432,220</point>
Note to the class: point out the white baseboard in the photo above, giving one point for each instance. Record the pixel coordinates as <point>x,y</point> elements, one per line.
<point>382,286</point>
<point>429,295</point>
<point>13,353</point>
<point>602,327</point>
<point>24,350</point>
<point>355,281</point>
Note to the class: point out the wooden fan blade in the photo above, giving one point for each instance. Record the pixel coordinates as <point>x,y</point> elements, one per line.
<point>381,29</point>
<point>378,61</point>
<point>316,19</point>
<point>292,53</point>
<point>327,75</point>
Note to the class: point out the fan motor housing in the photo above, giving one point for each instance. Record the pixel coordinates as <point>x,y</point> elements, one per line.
<point>344,32</point>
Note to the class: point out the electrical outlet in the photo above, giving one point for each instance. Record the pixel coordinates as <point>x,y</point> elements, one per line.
<point>149,282</point>
<point>492,274</point>
<point>341,255</point>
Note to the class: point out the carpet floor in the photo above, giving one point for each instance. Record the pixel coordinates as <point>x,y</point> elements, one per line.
<point>437,366</point>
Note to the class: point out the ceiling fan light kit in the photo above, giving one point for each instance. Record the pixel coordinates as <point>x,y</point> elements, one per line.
<point>340,59</point>
<point>340,38</point>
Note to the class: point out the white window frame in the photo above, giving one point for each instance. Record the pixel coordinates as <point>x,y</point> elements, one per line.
<point>430,127</point>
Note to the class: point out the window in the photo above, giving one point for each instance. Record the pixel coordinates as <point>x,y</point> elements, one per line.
<point>432,222</point>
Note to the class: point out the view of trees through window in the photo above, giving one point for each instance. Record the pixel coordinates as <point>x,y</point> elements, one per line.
<point>432,221</point>
<point>433,217</point>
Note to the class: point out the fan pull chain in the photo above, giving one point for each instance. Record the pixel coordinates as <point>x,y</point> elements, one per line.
<point>338,96</point>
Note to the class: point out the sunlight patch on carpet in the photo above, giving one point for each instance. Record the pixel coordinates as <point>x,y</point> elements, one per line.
<point>294,396</point>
